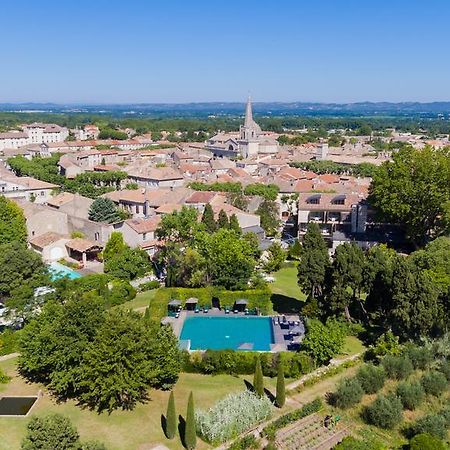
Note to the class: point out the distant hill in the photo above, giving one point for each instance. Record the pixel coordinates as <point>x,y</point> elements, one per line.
<point>433,109</point>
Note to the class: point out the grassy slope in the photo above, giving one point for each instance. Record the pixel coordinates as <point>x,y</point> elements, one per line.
<point>122,430</point>
<point>287,296</point>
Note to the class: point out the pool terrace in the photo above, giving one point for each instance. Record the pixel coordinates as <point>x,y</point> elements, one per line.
<point>238,330</point>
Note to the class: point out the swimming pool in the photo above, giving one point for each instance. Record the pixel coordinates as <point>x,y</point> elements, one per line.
<point>58,271</point>
<point>237,333</point>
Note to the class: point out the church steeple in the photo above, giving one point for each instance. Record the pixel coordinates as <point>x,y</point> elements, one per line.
<point>248,113</point>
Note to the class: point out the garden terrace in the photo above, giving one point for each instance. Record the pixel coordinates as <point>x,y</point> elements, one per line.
<point>310,434</point>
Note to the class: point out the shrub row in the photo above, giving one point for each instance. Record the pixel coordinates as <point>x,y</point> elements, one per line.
<point>326,372</point>
<point>384,412</point>
<point>243,363</point>
<point>270,430</point>
<point>257,298</point>
<point>244,443</point>
<point>434,424</point>
<point>149,285</point>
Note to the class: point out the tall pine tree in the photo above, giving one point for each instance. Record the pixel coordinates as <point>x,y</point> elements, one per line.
<point>222,221</point>
<point>208,219</point>
<point>171,418</point>
<point>258,380</point>
<point>281,388</point>
<point>190,437</point>
<point>314,261</point>
<point>234,224</point>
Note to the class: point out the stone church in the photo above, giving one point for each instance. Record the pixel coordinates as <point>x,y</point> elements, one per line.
<point>250,141</point>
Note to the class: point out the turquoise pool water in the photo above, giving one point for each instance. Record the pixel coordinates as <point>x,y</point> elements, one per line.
<point>58,271</point>
<point>237,333</point>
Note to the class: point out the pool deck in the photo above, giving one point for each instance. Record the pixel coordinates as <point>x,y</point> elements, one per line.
<point>281,325</point>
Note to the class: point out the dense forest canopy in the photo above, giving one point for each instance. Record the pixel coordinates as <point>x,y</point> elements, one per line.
<point>195,122</point>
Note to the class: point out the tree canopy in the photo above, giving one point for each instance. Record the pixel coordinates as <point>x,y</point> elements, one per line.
<point>12,222</point>
<point>104,210</point>
<point>414,190</point>
<point>106,359</point>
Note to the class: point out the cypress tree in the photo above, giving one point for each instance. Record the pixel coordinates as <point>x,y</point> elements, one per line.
<point>314,261</point>
<point>208,219</point>
<point>234,224</point>
<point>281,389</point>
<point>258,380</point>
<point>222,221</point>
<point>171,418</point>
<point>190,438</point>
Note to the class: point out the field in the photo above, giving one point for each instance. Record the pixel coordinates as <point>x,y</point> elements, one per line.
<point>287,296</point>
<point>121,430</point>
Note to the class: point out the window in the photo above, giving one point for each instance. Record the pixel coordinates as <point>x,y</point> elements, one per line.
<point>144,236</point>
<point>97,236</point>
<point>42,193</point>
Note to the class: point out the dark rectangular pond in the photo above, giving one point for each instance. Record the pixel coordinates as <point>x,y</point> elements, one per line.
<point>16,406</point>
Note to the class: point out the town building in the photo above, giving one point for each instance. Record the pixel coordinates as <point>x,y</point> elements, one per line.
<point>250,140</point>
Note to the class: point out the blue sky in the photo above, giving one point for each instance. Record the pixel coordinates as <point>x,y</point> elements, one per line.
<point>105,51</point>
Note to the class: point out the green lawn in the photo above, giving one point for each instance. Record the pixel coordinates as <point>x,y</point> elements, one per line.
<point>121,430</point>
<point>352,346</point>
<point>142,300</point>
<point>287,296</point>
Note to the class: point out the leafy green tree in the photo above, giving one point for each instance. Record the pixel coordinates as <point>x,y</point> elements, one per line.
<point>414,307</point>
<point>53,431</point>
<point>275,258</point>
<point>230,259</point>
<point>267,191</point>
<point>348,393</point>
<point>131,263</point>
<point>323,341</point>
<point>314,261</point>
<point>234,224</point>
<point>281,388</point>
<point>171,418</point>
<point>425,441</point>
<point>411,394</point>
<point>21,271</point>
<point>397,367</point>
<point>346,273</point>
<point>120,363</point>
<point>433,424</point>
<point>12,222</point>
<point>238,200</point>
<point>103,210</point>
<point>114,246</point>
<point>208,219</point>
<point>384,412</point>
<point>190,437</point>
<point>434,383</point>
<point>52,344</point>
<point>295,250</point>
<point>179,226</point>
<point>377,279</point>
<point>222,220</point>
<point>371,378</point>
<point>268,213</point>
<point>258,380</point>
<point>414,190</point>
<point>435,260</point>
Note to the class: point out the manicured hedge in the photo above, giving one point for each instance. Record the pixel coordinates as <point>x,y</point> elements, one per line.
<point>243,363</point>
<point>257,298</point>
<point>310,408</point>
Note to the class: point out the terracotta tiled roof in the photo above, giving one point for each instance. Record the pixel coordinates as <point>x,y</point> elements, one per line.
<point>82,245</point>
<point>201,197</point>
<point>46,239</point>
<point>61,199</point>
<point>144,225</point>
